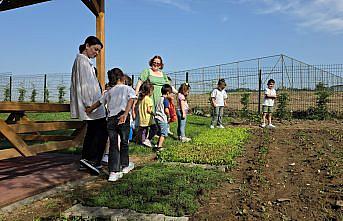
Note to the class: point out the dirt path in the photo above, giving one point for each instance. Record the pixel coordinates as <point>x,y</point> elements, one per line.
<point>285,174</point>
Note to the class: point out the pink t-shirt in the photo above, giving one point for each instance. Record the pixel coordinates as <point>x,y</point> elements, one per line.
<point>181,97</point>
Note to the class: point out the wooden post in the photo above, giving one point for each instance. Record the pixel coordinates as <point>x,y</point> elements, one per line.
<point>100,33</point>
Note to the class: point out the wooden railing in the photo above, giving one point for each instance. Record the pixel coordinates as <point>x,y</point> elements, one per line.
<point>18,129</point>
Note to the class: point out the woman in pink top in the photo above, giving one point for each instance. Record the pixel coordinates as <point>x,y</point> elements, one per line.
<point>181,112</point>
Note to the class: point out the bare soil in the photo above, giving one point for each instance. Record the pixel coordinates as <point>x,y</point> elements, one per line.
<point>294,172</point>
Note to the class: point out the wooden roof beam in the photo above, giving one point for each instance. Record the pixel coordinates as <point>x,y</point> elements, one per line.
<point>92,7</point>
<point>12,4</point>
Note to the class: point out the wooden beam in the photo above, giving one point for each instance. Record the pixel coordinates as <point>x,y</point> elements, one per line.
<point>9,153</point>
<point>14,139</point>
<point>6,107</point>
<point>96,5</point>
<point>100,33</point>
<point>51,146</point>
<point>91,7</point>
<point>12,4</point>
<point>34,127</point>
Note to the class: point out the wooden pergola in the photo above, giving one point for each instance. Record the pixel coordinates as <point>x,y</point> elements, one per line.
<point>18,128</point>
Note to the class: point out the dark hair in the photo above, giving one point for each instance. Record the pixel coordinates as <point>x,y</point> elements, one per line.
<point>166,88</point>
<point>221,82</point>
<point>128,80</point>
<point>271,81</point>
<point>114,75</point>
<point>152,60</point>
<point>90,40</point>
<point>184,88</point>
<point>146,88</point>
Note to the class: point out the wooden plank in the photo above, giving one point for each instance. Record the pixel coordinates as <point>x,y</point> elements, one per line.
<point>6,107</point>
<point>46,147</point>
<point>34,137</point>
<point>80,135</point>
<point>96,5</point>
<point>34,127</point>
<point>100,33</point>
<point>90,6</point>
<point>9,153</point>
<point>14,139</point>
<point>8,5</point>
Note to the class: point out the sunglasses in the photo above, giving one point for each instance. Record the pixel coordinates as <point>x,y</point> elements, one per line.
<point>156,64</point>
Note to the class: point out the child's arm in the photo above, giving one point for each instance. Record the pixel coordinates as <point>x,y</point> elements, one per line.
<point>92,107</point>
<point>123,117</point>
<point>183,110</point>
<point>149,110</point>
<point>213,101</point>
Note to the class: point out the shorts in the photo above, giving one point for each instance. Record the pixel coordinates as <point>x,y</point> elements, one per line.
<point>267,109</point>
<point>163,128</point>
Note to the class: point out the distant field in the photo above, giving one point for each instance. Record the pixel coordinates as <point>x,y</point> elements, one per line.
<point>299,101</point>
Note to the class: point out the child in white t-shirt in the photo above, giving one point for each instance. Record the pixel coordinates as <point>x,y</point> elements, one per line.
<point>218,102</point>
<point>268,103</point>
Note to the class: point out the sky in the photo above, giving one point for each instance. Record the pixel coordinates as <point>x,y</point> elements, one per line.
<point>44,38</point>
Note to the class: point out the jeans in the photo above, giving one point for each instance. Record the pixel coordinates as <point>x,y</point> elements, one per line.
<point>217,115</point>
<point>94,143</point>
<point>181,124</point>
<point>118,156</point>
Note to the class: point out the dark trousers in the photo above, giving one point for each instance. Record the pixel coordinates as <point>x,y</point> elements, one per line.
<point>147,132</point>
<point>95,140</point>
<point>118,156</point>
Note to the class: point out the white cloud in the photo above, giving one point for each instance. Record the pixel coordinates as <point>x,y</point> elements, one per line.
<point>320,15</point>
<point>184,5</point>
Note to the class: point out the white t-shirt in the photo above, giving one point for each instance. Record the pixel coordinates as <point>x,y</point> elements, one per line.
<point>117,98</point>
<point>268,101</point>
<point>219,96</point>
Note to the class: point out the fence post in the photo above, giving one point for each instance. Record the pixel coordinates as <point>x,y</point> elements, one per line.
<point>10,88</point>
<point>44,94</point>
<point>133,80</point>
<point>187,77</point>
<point>259,90</point>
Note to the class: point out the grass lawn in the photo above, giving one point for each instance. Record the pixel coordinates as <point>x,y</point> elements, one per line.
<point>158,188</point>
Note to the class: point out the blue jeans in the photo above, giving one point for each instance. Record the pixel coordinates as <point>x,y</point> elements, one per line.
<point>181,124</point>
<point>118,156</point>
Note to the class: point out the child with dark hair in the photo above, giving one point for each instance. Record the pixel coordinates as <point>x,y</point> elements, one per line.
<point>218,102</point>
<point>182,110</point>
<point>268,103</point>
<point>119,100</point>
<point>162,114</point>
<point>146,114</point>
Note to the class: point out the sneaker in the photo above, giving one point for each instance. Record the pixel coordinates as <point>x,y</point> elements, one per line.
<point>271,126</point>
<point>185,139</point>
<point>212,127</point>
<point>89,165</point>
<point>82,168</point>
<point>170,133</point>
<point>263,125</point>
<point>114,176</point>
<point>220,126</point>
<point>128,168</point>
<point>105,159</point>
<point>147,143</point>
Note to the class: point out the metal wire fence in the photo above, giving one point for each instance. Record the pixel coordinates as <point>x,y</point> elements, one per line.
<point>296,78</point>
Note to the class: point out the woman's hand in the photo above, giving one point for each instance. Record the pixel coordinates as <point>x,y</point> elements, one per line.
<point>88,110</point>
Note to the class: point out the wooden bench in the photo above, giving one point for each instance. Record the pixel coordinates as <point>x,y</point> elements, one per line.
<point>18,129</point>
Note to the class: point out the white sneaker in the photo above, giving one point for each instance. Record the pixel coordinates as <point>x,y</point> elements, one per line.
<point>221,126</point>
<point>147,143</point>
<point>271,126</point>
<point>185,139</point>
<point>212,127</point>
<point>169,132</point>
<point>263,125</point>
<point>128,168</point>
<point>114,176</point>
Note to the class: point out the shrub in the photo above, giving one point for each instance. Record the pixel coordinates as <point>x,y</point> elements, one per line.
<point>7,93</point>
<point>22,92</point>
<point>245,102</point>
<point>61,93</point>
<point>323,94</point>
<point>46,95</point>
<point>281,111</point>
<point>33,94</point>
